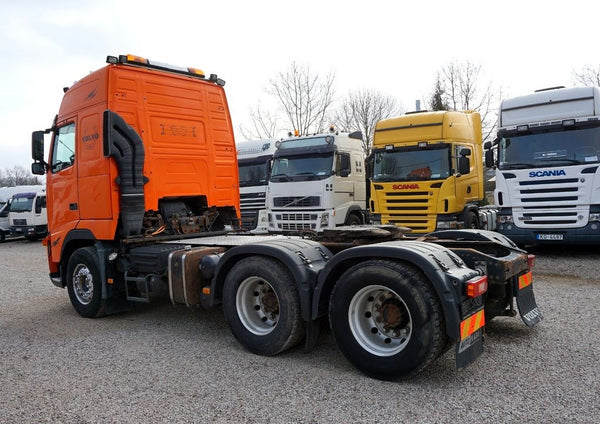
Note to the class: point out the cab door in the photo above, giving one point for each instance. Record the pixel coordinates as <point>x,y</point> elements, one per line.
<point>63,207</point>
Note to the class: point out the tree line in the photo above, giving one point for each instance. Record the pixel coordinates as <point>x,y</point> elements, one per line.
<point>16,176</point>
<point>305,101</point>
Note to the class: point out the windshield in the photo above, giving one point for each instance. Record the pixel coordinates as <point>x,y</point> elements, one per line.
<point>302,168</point>
<point>412,164</point>
<point>550,149</point>
<point>21,204</point>
<point>254,174</point>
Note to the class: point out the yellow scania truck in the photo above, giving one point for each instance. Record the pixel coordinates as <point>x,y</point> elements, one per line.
<point>427,172</point>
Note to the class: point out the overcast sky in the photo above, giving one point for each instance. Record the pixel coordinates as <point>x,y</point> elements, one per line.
<point>395,47</point>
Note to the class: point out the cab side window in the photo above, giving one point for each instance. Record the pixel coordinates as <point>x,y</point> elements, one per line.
<point>63,149</point>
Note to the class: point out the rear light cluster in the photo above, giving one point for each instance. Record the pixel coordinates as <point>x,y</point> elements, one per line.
<point>477,286</point>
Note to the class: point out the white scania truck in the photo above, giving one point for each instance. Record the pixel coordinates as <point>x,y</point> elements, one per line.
<point>317,183</point>
<point>547,166</point>
<point>254,164</point>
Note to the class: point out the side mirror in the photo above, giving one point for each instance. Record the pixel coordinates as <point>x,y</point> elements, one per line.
<point>344,165</point>
<point>38,168</point>
<point>489,159</point>
<point>464,165</point>
<point>37,146</point>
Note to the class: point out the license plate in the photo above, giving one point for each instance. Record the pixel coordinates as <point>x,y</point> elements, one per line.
<point>549,237</point>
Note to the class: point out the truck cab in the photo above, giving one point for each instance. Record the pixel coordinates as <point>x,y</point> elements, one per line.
<point>317,182</point>
<point>547,166</point>
<point>254,163</point>
<point>427,171</point>
<point>138,148</point>
<point>28,216</point>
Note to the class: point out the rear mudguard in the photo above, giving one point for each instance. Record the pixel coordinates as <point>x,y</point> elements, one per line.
<point>503,262</point>
<point>303,258</point>
<point>445,270</point>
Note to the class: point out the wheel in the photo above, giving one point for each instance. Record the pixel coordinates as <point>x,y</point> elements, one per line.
<point>386,319</point>
<point>262,306</point>
<point>2,236</point>
<point>472,221</point>
<point>353,219</point>
<point>83,283</point>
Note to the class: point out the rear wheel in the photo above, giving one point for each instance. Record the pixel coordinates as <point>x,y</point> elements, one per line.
<point>386,319</point>
<point>262,306</point>
<point>83,283</point>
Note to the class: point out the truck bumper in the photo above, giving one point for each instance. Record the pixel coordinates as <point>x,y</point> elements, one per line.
<point>590,234</point>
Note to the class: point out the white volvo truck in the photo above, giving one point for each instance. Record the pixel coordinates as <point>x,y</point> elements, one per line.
<point>317,183</point>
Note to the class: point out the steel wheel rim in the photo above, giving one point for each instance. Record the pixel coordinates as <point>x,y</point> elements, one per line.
<point>380,320</point>
<point>83,284</point>
<point>257,306</point>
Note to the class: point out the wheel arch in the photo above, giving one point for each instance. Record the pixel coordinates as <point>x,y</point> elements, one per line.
<point>424,256</point>
<point>74,240</point>
<point>355,210</point>
<point>302,258</point>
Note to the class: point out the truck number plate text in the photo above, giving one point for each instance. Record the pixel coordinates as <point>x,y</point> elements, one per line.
<point>549,236</point>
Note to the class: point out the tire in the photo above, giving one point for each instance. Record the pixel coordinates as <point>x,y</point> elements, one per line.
<point>83,283</point>
<point>386,319</point>
<point>262,307</point>
<point>472,221</point>
<point>353,219</point>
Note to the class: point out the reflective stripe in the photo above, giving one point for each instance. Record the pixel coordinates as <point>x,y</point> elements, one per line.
<point>525,280</point>
<point>472,324</point>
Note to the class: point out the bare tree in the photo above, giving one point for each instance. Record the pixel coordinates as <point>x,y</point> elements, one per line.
<point>588,75</point>
<point>17,175</point>
<point>264,124</point>
<point>304,97</point>
<point>459,87</point>
<point>361,110</point>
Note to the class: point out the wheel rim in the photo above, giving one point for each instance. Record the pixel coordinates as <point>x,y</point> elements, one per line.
<point>380,320</point>
<point>83,284</point>
<point>257,306</point>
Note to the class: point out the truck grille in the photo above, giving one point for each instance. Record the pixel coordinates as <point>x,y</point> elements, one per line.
<point>20,222</point>
<point>287,226</point>
<point>297,201</point>
<point>538,201</point>
<point>408,209</point>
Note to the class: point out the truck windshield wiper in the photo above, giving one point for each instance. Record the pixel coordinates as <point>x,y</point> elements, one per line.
<point>518,165</point>
<point>281,175</point>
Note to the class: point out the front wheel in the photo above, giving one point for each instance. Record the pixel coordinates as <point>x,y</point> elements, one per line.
<point>386,319</point>
<point>262,307</point>
<point>472,221</point>
<point>83,283</point>
<point>353,219</point>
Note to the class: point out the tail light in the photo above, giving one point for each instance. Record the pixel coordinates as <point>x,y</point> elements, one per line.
<point>530,261</point>
<point>477,286</point>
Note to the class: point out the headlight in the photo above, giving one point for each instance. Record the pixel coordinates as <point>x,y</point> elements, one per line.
<point>595,217</point>
<point>505,219</point>
<point>324,220</point>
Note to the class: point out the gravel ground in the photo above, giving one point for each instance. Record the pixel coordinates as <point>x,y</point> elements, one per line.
<point>162,363</point>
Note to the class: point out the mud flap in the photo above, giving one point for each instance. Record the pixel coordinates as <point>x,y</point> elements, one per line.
<point>528,308</point>
<point>470,345</point>
<point>469,349</point>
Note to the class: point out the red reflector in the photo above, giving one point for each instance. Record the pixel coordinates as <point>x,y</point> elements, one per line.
<point>530,261</point>
<point>477,286</point>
